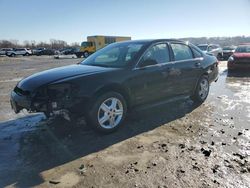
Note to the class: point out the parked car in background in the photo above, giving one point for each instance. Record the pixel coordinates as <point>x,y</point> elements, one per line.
<point>37,50</point>
<point>214,49</point>
<point>46,52</point>
<point>3,51</point>
<point>19,51</point>
<point>67,52</point>
<point>228,51</point>
<point>119,78</point>
<point>70,51</point>
<point>240,58</point>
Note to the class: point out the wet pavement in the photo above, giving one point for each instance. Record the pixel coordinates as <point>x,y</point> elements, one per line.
<point>173,145</point>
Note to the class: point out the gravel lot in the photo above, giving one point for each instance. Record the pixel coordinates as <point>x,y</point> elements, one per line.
<point>173,145</point>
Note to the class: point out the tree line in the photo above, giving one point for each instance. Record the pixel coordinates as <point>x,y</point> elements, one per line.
<point>52,44</point>
<point>59,44</point>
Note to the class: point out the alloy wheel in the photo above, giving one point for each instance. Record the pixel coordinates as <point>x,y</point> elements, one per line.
<point>110,113</point>
<point>204,88</point>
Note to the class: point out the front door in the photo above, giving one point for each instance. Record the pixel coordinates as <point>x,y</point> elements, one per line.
<point>151,78</point>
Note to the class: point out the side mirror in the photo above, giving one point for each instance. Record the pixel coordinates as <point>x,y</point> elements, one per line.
<point>148,62</point>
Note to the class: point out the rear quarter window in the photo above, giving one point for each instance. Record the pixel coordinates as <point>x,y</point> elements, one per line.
<point>197,54</point>
<point>181,52</point>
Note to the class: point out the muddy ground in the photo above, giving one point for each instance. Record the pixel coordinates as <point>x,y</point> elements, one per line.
<point>173,145</point>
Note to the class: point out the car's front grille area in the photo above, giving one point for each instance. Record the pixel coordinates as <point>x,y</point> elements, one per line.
<point>19,91</point>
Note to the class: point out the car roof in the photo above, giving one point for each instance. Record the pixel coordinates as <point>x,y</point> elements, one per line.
<point>202,44</point>
<point>208,44</point>
<point>151,41</point>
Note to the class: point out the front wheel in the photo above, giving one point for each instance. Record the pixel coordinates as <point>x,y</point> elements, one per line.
<point>202,90</point>
<point>108,112</point>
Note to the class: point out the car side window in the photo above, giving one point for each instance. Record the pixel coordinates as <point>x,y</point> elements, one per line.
<point>210,48</point>
<point>181,52</point>
<point>156,54</point>
<point>197,54</point>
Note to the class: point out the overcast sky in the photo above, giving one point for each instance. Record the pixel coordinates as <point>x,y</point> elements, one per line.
<point>74,20</point>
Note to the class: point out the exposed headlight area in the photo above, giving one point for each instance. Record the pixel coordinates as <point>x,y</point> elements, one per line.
<point>40,99</point>
<point>53,97</point>
<point>60,95</point>
<point>59,91</point>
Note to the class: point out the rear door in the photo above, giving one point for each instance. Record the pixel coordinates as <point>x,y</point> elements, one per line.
<point>19,51</point>
<point>186,68</point>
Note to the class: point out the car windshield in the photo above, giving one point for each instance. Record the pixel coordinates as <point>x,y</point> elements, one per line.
<point>243,49</point>
<point>114,55</point>
<point>203,47</point>
<point>86,44</point>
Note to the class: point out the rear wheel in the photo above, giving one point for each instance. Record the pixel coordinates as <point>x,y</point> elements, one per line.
<point>12,55</point>
<point>86,54</point>
<point>78,55</point>
<point>108,112</point>
<point>202,90</point>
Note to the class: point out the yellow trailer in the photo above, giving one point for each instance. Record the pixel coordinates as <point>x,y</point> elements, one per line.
<point>97,42</point>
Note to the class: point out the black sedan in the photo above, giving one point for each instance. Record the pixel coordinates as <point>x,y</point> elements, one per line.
<point>45,52</point>
<point>118,78</point>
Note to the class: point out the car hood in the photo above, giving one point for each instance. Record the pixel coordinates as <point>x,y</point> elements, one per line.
<point>241,55</point>
<point>45,77</point>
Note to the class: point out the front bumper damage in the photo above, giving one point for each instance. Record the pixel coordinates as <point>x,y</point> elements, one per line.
<point>50,108</point>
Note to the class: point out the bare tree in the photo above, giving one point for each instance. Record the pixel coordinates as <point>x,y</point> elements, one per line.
<point>75,44</point>
<point>6,44</point>
<point>59,44</point>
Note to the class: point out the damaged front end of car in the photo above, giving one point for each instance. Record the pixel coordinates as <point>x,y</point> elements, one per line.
<point>53,99</point>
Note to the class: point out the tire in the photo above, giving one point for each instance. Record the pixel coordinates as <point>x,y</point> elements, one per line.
<point>78,55</point>
<point>86,54</point>
<point>12,55</point>
<point>104,116</point>
<point>27,54</point>
<point>201,90</point>
<point>219,57</point>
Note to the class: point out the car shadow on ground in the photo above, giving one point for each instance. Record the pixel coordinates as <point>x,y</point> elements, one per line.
<point>55,143</point>
<point>239,73</point>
